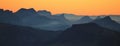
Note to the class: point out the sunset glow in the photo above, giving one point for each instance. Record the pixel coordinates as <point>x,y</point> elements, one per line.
<point>79,7</point>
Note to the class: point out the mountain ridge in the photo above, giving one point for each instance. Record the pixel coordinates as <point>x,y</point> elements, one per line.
<point>42,19</point>
<point>107,22</point>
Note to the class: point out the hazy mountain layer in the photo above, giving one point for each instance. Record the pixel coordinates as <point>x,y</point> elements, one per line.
<point>44,19</point>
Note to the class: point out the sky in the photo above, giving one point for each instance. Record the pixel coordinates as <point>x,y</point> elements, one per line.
<point>78,7</point>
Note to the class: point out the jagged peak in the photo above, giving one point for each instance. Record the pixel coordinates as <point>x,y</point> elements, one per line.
<point>1,10</point>
<point>8,11</point>
<point>86,17</point>
<point>27,9</point>
<point>24,9</point>
<point>107,18</point>
<point>44,11</point>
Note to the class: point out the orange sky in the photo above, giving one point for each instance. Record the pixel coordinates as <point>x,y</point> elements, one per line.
<point>79,7</point>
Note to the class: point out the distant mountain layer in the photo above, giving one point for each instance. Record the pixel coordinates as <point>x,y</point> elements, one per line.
<point>107,22</point>
<point>31,18</point>
<point>44,20</point>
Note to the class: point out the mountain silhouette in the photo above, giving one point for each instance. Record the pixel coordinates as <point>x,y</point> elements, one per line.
<point>45,20</point>
<point>44,13</point>
<point>28,27</point>
<point>107,22</point>
<point>30,18</point>
<point>5,15</point>
<point>26,12</point>
<point>77,35</point>
<point>89,34</point>
<point>12,35</point>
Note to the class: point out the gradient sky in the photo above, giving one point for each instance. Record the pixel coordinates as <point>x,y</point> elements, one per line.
<point>79,7</point>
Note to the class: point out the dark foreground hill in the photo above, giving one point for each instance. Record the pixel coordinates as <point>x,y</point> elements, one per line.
<point>89,34</point>
<point>12,35</point>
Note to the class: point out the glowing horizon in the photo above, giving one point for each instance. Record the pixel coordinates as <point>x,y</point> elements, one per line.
<point>78,7</point>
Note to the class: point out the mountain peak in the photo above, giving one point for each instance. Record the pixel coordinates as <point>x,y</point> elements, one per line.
<point>8,11</point>
<point>107,22</point>
<point>1,10</point>
<point>26,10</point>
<point>107,17</point>
<point>44,13</point>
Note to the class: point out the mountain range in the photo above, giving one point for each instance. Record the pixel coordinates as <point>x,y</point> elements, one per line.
<point>89,34</point>
<point>43,19</point>
<point>29,17</point>
<point>107,22</point>
<point>28,27</point>
<point>77,35</point>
